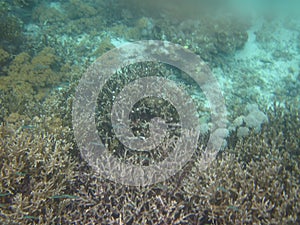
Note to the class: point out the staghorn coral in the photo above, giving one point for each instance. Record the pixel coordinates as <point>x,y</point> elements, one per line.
<point>256,180</point>
<point>104,202</point>
<point>253,182</point>
<point>35,168</point>
<point>262,192</point>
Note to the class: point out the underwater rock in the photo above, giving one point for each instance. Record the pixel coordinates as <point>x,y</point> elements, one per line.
<point>255,117</point>
<point>242,132</point>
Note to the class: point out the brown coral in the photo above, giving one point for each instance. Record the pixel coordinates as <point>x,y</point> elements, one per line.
<point>257,180</point>
<point>29,79</point>
<point>3,57</point>
<point>34,168</point>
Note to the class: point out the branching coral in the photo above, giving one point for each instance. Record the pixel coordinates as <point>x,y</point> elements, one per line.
<point>254,181</point>
<point>261,192</point>
<point>35,167</point>
<point>257,180</point>
<point>42,177</point>
<point>104,202</point>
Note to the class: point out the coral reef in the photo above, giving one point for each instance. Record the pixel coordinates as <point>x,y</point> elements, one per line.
<point>36,170</point>
<point>79,9</point>
<point>64,24</point>
<point>10,31</point>
<point>3,57</point>
<point>255,180</point>
<point>209,37</point>
<point>253,120</point>
<point>48,15</point>
<point>29,79</point>
<point>255,193</point>
<point>25,3</point>
<point>43,179</point>
<point>104,46</point>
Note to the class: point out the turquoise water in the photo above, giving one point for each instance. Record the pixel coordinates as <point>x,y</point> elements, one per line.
<point>245,166</point>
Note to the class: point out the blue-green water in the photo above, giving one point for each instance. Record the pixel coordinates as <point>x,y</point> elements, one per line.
<point>244,87</point>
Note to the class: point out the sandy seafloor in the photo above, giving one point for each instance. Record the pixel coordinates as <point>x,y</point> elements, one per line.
<point>277,74</point>
<point>265,70</point>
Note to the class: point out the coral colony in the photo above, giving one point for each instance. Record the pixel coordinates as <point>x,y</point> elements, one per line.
<point>46,47</point>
